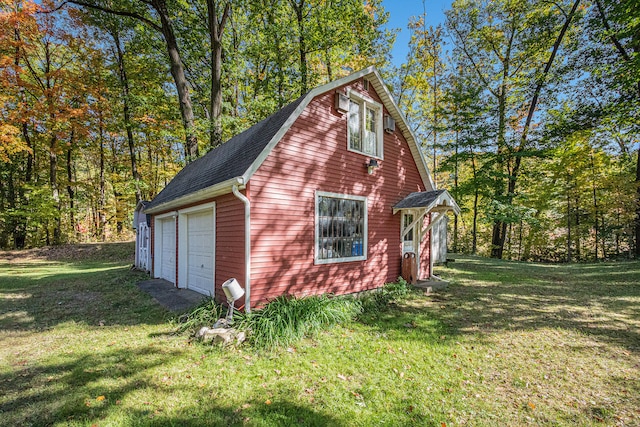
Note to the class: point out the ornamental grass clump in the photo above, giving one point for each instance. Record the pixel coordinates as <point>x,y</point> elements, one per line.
<point>205,314</point>
<point>288,319</point>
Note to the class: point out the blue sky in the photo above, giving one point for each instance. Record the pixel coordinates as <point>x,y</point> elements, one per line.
<point>399,13</point>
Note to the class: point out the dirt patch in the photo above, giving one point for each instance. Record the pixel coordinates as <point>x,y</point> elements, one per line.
<point>111,252</point>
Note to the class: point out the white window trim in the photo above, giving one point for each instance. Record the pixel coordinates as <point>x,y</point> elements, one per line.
<point>365,102</point>
<point>365,233</point>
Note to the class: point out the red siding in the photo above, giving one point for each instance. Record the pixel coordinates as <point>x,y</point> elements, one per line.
<point>229,235</point>
<point>312,157</point>
<point>229,243</point>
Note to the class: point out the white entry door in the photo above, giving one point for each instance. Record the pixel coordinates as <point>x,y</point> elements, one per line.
<point>410,241</point>
<point>200,246</point>
<point>168,250</point>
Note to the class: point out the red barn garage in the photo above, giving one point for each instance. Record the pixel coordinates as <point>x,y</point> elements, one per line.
<point>324,196</point>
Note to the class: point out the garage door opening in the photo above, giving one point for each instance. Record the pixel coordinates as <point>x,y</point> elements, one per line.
<point>197,249</point>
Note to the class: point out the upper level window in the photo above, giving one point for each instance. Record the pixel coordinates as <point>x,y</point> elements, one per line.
<point>341,228</point>
<point>365,126</point>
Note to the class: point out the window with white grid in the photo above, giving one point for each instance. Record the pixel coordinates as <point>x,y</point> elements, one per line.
<point>341,228</point>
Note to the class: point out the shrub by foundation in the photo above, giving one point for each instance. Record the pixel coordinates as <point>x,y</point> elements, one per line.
<point>287,319</point>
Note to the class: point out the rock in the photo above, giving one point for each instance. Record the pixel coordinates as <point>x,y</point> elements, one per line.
<point>221,323</point>
<point>202,331</point>
<point>224,336</point>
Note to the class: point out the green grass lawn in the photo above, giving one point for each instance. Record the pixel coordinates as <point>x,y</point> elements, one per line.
<point>507,344</point>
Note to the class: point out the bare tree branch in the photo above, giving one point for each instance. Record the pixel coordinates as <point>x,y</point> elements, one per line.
<point>613,38</point>
<point>127,13</point>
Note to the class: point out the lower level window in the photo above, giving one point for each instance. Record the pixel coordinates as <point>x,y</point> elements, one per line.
<point>341,228</point>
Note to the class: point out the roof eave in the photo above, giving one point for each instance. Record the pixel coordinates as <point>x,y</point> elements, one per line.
<point>216,190</point>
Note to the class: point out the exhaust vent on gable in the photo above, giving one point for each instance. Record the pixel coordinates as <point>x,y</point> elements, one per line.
<point>342,102</point>
<point>389,124</point>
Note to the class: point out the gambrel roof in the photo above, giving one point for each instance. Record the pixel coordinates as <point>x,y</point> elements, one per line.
<point>227,161</point>
<point>235,161</point>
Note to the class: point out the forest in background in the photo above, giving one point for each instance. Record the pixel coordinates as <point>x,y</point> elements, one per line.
<point>527,111</point>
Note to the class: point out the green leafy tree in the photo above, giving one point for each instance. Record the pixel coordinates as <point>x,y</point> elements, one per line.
<point>505,42</point>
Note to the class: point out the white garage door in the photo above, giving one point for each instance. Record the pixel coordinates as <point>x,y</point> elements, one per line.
<point>168,255</point>
<point>200,256</point>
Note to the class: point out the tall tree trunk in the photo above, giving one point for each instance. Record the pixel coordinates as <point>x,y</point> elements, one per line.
<point>175,61</point>
<point>102,218</point>
<point>476,194</point>
<point>520,240</point>
<point>617,233</point>
<point>117,195</point>
<point>70,190</point>
<point>298,8</point>
<point>235,109</point>
<point>19,224</point>
<point>455,189</point>
<point>280,74</point>
<point>216,29</point>
<point>603,240</point>
<point>569,253</point>
<point>179,77</point>
<point>499,236</point>
<point>595,203</point>
<point>637,219</point>
<point>499,227</point>
<point>126,112</point>
<point>4,229</point>
<point>435,114</point>
<point>577,228</point>
<point>628,59</point>
<point>18,241</point>
<point>53,149</point>
<point>327,59</point>
<point>55,192</point>
<point>526,255</point>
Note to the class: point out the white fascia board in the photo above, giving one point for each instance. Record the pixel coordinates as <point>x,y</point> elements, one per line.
<point>449,202</point>
<point>296,113</point>
<point>206,193</point>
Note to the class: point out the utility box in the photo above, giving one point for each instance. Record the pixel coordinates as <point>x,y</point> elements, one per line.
<point>410,268</point>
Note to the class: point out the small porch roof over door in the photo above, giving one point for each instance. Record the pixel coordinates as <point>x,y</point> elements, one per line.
<point>422,203</point>
<point>428,201</point>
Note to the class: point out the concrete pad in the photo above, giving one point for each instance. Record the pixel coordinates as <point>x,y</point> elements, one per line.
<point>172,298</point>
<point>432,285</point>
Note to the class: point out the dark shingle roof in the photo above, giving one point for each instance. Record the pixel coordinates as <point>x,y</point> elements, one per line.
<point>229,160</point>
<point>419,199</point>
